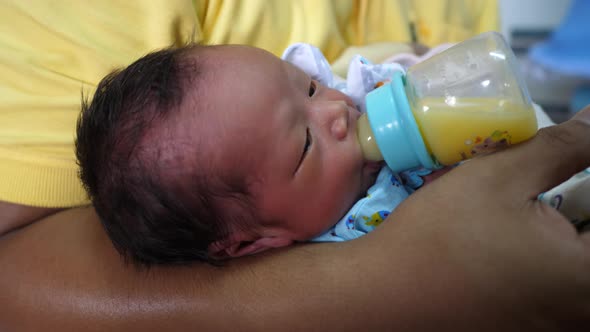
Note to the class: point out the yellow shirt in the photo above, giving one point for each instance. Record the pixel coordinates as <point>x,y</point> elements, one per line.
<point>53,51</point>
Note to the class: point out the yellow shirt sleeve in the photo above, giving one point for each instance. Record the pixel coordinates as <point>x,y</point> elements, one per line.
<point>331,25</point>
<point>335,25</point>
<point>53,51</point>
<point>438,22</point>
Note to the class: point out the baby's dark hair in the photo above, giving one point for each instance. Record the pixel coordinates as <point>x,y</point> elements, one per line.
<point>153,212</point>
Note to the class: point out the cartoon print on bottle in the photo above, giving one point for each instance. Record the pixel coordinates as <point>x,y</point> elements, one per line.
<point>481,146</point>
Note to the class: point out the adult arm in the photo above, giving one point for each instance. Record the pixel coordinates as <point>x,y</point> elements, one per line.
<point>13,216</point>
<point>471,251</point>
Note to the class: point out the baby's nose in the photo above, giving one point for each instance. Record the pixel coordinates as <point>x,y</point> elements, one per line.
<point>339,121</point>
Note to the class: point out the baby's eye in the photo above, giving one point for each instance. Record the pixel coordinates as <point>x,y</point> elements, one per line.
<point>307,142</point>
<point>312,88</point>
<point>306,147</point>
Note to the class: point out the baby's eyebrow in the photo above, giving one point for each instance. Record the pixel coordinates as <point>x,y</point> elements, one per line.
<point>294,72</point>
<point>291,74</point>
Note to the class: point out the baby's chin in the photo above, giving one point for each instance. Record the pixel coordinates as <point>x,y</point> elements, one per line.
<point>370,171</point>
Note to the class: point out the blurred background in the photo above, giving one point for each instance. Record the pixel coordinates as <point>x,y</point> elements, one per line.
<point>551,40</point>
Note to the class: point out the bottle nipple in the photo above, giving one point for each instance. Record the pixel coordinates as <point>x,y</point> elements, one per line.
<point>367,140</point>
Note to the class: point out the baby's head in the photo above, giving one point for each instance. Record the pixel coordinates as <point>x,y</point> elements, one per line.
<point>208,152</point>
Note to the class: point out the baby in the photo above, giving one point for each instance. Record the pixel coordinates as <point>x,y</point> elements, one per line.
<point>212,152</point>
<point>208,152</point>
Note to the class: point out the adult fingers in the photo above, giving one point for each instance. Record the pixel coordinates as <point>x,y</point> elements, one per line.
<point>551,157</point>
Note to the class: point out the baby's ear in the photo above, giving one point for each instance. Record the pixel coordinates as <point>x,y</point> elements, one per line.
<point>236,247</point>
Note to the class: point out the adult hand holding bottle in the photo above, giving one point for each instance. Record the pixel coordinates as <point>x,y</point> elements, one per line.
<point>498,254</point>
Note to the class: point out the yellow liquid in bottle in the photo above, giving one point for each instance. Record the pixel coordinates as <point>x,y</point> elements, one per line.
<point>461,128</point>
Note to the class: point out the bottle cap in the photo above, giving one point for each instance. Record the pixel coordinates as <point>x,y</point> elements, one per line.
<point>395,128</point>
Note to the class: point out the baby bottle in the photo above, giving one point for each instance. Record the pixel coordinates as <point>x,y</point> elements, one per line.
<point>465,101</point>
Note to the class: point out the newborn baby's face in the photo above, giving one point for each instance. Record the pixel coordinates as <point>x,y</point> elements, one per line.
<point>295,139</point>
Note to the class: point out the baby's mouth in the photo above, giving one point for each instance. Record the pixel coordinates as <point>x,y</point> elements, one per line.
<point>373,166</point>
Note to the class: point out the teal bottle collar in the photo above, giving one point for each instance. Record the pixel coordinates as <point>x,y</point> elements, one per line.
<point>396,131</point>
